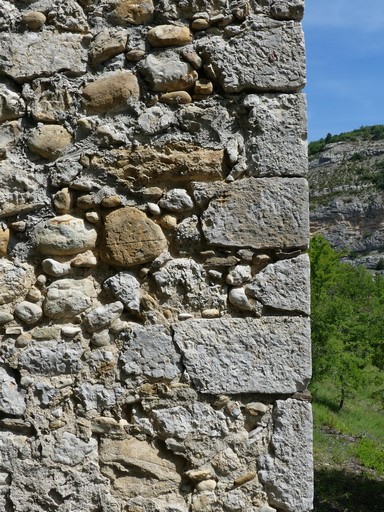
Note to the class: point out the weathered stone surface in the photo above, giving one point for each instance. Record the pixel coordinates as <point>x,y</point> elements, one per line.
<point>125,287</point>
<point>30,55</point>
<point>273,213</point>
<point>234,355</point>
<point>28,312</point>
<point>288,9</point>
<point>12,106</point>
<point>166,72</point>
<point>149,352</point>
<point>288,474</point>
<point>169,35</point>
<point>181,162</point>
<point>11,400</point>
<point>103,316</point>
<point>111,92</point>
<point>51,358</point>
<point>106,45</point>
<point>49,141</point>
<point>135,12</point>
<point>184,284</point>
<point>51,97</point>
<point>266,55</point>
<point>176,200</point>
<point>15,280</point>
<point>280,148</point>
<point>131,238</point>
<point>67,298</point>
<point>64,235</point>
<point>283,285</point>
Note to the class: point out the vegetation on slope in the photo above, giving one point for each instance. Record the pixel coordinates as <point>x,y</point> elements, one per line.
<point>375,132</point>
<point>348,383</point>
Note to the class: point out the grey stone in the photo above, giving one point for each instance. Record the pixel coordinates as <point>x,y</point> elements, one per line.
<point>103,316</point>
<point>12,105</point>
<point>70,450</point>
<point>259,57</point>
<point>15,280</point>
<point>106,45</point>
<point>31,55</point>
<point>11,400</point>
<point>166,72</point>
<point>5,317</point>
<point>98,396</point>
<point>55,268</point>
<point>150,352</point>
<point>243,355</point>
<point>273,213</point>
<point>283,285</point>
<point>287,474</point>
<point>51,358</point>
<point>280,147</point>
<point>176,200</point>
<point>239,275</point>
<point>125,287</point>
<point>238,298</point>
<point>67,298</point>
<point>28,312</point>
<point>287,9</point>
<point>64,235</point>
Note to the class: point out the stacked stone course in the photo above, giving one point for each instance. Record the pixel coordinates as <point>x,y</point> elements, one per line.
<point>154,281</point>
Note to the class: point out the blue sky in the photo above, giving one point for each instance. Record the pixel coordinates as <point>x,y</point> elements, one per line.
<point>345,65</point>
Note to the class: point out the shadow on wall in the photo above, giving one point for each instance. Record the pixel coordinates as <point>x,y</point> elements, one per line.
<point>339,491</point>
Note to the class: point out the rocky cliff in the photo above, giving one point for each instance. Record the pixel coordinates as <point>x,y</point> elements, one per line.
<point>346,180</point>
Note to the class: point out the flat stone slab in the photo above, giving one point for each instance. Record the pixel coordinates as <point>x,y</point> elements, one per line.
<point>263,55</point>
<point>288,474</point>
<point>246,355</point>
<point>262,213</point>
<point>31,55</point>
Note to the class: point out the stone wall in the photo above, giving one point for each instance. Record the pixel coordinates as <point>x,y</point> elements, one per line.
<point>153,275</point>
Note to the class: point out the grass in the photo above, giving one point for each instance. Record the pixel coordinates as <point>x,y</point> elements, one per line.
<point>349,451</point>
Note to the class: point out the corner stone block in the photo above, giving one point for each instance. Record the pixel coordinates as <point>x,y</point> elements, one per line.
<point>288,474</point>
<point>266,56</point>
<point>245,355</point>
<point>261,213</point>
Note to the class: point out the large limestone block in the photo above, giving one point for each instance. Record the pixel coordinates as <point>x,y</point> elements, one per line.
<point>51,358</point>
<point>280,147</point>
<point>64,235</point>
<point>283,285</point>
<point>246,355</point>
<point>131,238</point>
<point>166,72</point>
<point>288,473</point>
<point>258,213</point>
<point>174,162</point>
<point>266,55</point>
<point>30,55</point>
<point>111,92</point>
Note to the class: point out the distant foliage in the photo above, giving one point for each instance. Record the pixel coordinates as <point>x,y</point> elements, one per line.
<point>375,132</point>
<point>347,321</point>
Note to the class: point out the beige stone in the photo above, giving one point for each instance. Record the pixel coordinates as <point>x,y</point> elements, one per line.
<point>168,222</point>
<point>62,201</point>
<point>176,98</point>
<point>131,238</point>
<point>204,87</point>
<point>165,71</point>
<point>173,163</point>
<point>135,12</point>
<point>169,35</point>
<point>49,141</point>
<point>200,24</point>
<point>111,201</point>
<point>111,92</point>
<point>4,240</point>
<point>106,45</point>
<point>34,20</point>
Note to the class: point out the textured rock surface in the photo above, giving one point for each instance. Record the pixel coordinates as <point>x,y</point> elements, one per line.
<point>246,355</point>
<point>153,277</point>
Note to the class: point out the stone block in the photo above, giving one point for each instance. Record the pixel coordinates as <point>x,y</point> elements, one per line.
<point>246,355</point>
<point>262,213</point>
<point>288,474</point>
<point>30,55</point>
<point>135,12</point>
<point>51,358</point>
<point>67,298</point>
<point>265,55</point>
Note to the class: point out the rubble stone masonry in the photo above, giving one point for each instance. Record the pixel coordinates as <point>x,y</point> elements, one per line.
<point>154,281</point>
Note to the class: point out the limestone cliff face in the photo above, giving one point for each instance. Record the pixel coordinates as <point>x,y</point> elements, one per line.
<point>347,197</point>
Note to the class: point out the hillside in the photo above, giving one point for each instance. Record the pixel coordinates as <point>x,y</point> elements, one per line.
<point>346,178</point>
